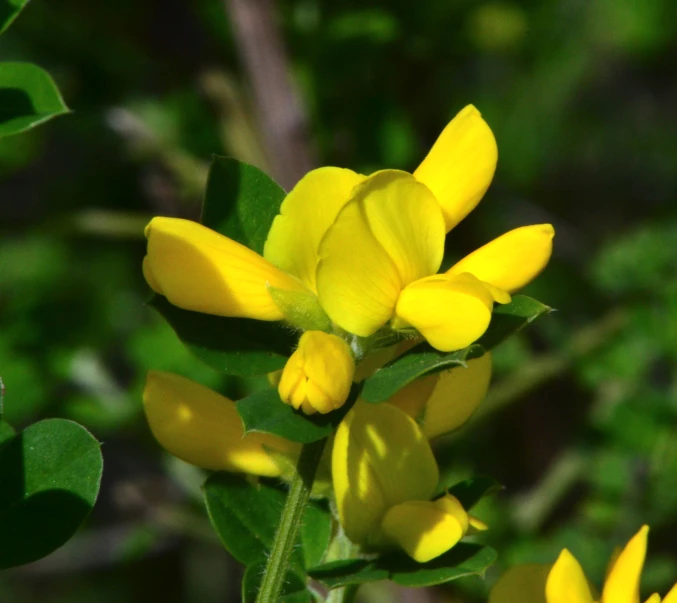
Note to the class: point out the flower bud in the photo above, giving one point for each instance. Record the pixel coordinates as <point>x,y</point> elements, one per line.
<point>319,374</point>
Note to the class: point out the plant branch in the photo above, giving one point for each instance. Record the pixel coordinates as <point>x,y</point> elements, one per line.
<point>290,522</point>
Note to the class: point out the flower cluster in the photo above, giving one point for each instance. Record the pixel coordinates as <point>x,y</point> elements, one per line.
<point>350,260</point>
<point>352,255</point>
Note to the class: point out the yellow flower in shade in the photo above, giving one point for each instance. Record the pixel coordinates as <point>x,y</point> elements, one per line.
<point>443,402</point>
<point>318,375</point>
<point>565,581</point>
<point>363,250</point>
<point>203,428</point>
<point>384,476</point>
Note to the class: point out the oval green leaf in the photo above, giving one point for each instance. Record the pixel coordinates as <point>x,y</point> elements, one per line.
<point>241,201</point>
<point>50,475</point>
<point>28,97</point>
<point>263,411</point>
<point>424,360</point>
<point>9,10</point>
<point>235,346</point>
<point>465,559</point>
<point>246,515</point>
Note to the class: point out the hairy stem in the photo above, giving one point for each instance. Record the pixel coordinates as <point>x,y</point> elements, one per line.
<point>290,522</point>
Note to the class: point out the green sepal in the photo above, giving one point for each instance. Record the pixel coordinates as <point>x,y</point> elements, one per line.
<point>235,346</point>
<point>245,515</point>
<point>50,475</point>
<point>465,559</point>
<point>241,202</point>
<point>425,360</point>
<point>28,97</point>
<point>265,412</point>
<point>301,309</point>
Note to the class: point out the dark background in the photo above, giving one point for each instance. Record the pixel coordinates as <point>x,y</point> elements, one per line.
<point>581,424</point>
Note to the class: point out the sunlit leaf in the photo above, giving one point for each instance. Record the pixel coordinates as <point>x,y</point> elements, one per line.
<point>425,360</point>
<point>263,411</point>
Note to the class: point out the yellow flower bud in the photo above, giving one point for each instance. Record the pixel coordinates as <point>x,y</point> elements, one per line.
<point>318,375</point>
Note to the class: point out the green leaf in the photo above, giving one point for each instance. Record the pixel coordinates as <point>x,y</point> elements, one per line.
<point>510,318</point>
<point>263,411</point>
<point>28,97</point>
<point>245,516</point>
<point>241,202</point>
<point>470,491</point>
<point>50,475</point>
<point>6,432</point>
<point>417,362</point>
<point>235,346</point>
<point>316,532</point>
<point>425,360</point>
<point>293,591</point>
<point>9,10</point>
<point>465,559</point>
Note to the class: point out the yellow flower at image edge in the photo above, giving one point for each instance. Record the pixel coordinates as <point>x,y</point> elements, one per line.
<point>363,251</point>
<point>566,582</point>
<point>384,475</point>
<point>318,375</point>
<point>203,428</point>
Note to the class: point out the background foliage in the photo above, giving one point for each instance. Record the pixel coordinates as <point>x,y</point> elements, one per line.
<point>581,425</point>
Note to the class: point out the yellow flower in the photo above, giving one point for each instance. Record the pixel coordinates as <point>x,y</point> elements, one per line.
<point>384,476</point>
<point>565,582</point>
<point>443,402</point>
<point>372,255</point>
<point>203,428</point>
<point>318,375</point>
<point>365,249</point>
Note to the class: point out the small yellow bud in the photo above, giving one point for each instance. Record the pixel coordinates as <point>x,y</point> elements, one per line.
<point>318,375</point>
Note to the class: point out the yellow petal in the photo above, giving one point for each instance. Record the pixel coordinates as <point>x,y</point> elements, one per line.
<point>671,597</point>
<point>461,164</point>
<point>425,529</point>
<point>198,269</point>
<point>306,214</point>
<point>203,428</point>
<point>318,375</point>
<point>380,459</point>
<point>413,398</point>
<point>622,584</point>
<point>655,598</point>
<point>567,582</point>
<point>457,395</point>
<point>450,312</point>
<point>512,260</point>
<point>389,234</point>
<point>521,584</point>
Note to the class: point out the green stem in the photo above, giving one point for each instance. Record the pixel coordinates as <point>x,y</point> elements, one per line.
<point>290,522</point>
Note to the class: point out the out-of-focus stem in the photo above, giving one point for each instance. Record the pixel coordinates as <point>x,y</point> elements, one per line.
<point>282,118</point>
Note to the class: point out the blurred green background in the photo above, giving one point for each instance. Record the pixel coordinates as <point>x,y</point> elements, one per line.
<point>581,424</point>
